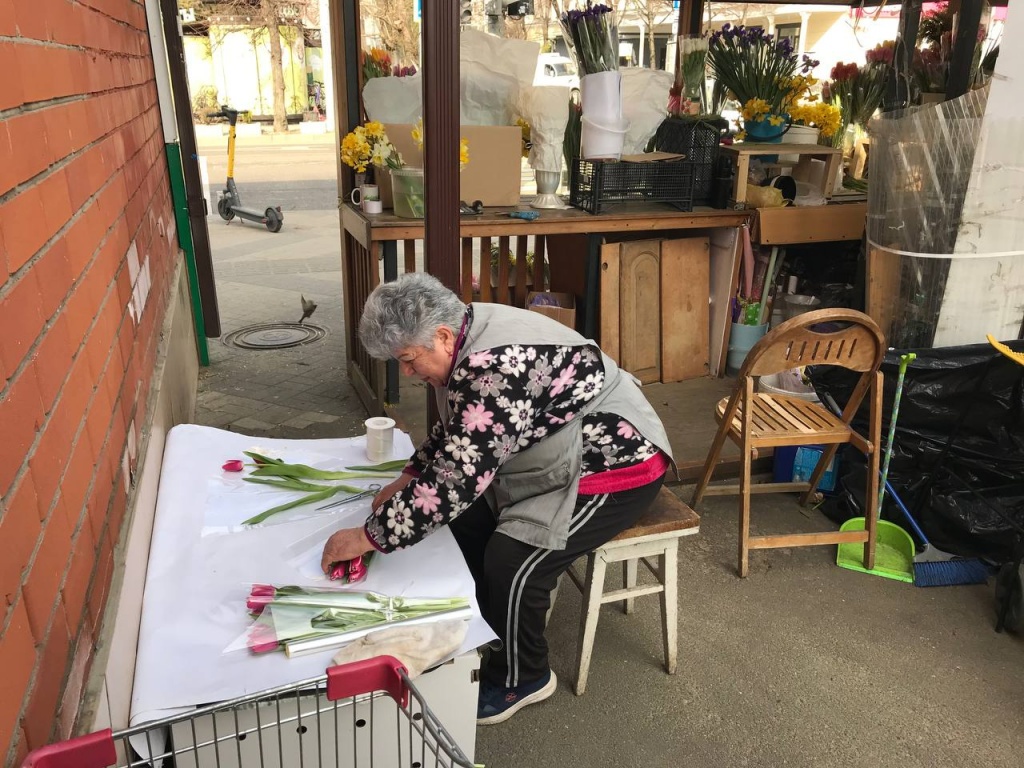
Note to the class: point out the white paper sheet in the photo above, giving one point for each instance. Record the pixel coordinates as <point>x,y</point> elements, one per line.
<point>196,586</point>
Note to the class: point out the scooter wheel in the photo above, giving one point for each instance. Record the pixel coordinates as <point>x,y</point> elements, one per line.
<point>224,209</point>
<point>274,220</point>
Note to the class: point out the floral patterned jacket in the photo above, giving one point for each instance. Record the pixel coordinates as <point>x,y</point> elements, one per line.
<point>503,400</point>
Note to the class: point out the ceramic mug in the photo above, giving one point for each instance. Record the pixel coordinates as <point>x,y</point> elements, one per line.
<point>365,192</point>
<point>372,206</point>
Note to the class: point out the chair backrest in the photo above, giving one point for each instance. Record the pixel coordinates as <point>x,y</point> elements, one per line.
<point>859,345</point>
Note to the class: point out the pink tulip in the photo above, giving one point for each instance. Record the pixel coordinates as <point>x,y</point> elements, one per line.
<point>235,465</point>
<point>357,570</point>
<point>339,571</point>
<point>261,639</point>
<point>263,590</point>
<point>256,603</point>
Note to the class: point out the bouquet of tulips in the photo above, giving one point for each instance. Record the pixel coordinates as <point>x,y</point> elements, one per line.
<point>298,477</point>
<point>302,620</point>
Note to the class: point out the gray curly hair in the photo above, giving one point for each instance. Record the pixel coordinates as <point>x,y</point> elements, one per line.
<point>407,313</point>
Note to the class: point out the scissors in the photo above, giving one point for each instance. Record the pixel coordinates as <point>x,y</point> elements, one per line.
<point>372,490</point>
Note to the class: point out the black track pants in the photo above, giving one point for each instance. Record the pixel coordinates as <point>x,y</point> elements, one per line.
<point>514,580</point>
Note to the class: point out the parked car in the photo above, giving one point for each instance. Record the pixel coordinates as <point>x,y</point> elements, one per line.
<point>555,69</point>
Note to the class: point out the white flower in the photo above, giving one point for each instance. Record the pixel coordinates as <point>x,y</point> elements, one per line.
<point>462,449</point>
<point>398,520</point>
<point>521,414</point>
<point>513,361</point>
<point>588,387</point>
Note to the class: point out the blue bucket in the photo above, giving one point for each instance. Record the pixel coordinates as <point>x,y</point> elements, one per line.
<point>741,339</point>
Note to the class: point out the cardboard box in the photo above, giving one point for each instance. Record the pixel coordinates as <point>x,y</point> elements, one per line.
<point>565,312</point>
<point>492,175</point>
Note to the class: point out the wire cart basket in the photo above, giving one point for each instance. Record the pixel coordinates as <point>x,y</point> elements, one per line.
<point>367,713</point>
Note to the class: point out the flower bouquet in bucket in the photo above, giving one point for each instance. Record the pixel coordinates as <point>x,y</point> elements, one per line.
<point>594,39</point>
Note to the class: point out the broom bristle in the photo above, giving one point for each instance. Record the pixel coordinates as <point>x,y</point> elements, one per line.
<point>950,573</point>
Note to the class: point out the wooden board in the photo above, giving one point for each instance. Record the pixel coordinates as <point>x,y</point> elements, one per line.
<point>685,283</point>
<point>640,309</point>
<point>883,287</point>
<point>609,329</point>
<point>819,224</point>
<point>724,272</point>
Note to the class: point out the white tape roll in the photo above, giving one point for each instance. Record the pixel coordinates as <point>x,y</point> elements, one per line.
<point>380,439</point>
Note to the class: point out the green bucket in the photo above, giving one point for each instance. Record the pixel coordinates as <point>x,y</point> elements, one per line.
<point>894,552</point>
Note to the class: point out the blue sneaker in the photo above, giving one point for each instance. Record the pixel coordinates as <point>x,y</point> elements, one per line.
<point>497,703</point>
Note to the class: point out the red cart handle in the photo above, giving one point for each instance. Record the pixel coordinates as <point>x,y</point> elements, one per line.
<point>381,673</point>
<point>94,750</point>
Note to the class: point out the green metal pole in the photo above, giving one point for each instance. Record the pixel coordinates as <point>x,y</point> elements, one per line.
<point>181,218</point>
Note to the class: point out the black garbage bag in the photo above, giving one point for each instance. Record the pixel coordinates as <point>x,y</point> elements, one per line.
<point>969,498</point>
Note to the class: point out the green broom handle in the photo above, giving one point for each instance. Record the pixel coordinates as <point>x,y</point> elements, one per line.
<point>905,361</point>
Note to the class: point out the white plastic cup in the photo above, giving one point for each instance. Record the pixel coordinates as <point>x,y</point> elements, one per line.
<point>602,142</point>
<point>380,439</point>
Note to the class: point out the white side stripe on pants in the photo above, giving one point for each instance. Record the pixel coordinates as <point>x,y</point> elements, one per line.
<point>519,585</point>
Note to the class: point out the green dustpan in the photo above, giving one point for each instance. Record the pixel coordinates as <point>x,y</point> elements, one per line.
<point>894,551</point>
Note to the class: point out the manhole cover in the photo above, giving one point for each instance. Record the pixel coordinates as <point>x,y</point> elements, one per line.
<point>274,336</point>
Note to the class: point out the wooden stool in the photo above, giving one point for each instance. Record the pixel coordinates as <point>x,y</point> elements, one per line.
<point>655,535</point>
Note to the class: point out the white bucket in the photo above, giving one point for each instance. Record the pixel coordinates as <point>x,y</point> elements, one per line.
<point>601,97</point>
<point>602,142</point>
<point>794,304</point>
<point>788,383</point>
<point>798,134</point>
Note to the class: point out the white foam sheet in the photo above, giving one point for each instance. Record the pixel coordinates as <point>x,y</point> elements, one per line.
<point>196,586</point>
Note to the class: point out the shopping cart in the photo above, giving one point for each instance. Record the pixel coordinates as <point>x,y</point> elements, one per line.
<point>338,719</point>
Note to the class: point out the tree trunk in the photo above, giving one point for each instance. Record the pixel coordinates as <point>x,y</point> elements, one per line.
<point>651,57</point>
<point>270,20</point>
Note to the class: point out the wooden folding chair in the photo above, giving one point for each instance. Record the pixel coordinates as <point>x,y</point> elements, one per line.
<point>756,420</point>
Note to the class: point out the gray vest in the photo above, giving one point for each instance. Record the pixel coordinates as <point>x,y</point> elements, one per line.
<point>534,492</point>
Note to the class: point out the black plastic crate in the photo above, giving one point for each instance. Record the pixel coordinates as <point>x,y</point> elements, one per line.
<point>597,183</point>
<point>698,138</point>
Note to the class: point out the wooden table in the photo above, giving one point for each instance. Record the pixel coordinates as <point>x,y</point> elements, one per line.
<point>370,254</point>
<point>744,152</point>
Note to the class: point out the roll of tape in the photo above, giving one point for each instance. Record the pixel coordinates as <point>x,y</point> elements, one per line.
<point>380,439</point>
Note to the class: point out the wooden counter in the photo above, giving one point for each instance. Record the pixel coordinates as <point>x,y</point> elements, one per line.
<point>370,254</point>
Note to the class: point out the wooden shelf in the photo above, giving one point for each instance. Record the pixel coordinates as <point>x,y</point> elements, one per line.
<point>832,157</point>
<point>817,224</point>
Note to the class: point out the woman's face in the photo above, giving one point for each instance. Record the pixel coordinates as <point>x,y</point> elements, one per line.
<point>429,364</point>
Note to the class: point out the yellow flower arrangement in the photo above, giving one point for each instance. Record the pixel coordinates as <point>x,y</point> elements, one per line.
<point>417,136</point>
<point>825,117</point>
<point>524,128</point>
<point>369,144</point>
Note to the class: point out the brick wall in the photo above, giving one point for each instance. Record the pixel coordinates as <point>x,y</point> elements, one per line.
<point>86,255</point>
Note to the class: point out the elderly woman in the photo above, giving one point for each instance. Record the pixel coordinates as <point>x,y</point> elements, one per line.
<point>544,451</point>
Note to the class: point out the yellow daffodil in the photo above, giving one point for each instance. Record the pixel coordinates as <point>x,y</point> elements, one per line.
<point>775,120</point>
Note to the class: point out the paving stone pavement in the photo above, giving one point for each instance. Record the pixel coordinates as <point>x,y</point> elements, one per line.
<point>299,392</point>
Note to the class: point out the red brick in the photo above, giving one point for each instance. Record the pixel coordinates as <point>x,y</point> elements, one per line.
<point>51,562</point>
<point>76,585</point>
<point>11,94</point>
<point>18,661</point>
<point>79,190</point>
<point>31,22</point>
<point>8,28</point>
<point>19,530</point>
<point>100,587</point>
<point>84,238</point>
<point>34,64</point>
<point>45,693</point>
<point>21,413</point>
<point>53,361</point>
<point>21,318</point>
<point>29,153</point>
<point>53,275</point>
<point>9,175</point>
<point>58,132</point>
<point>24,227</point>
<point>78,476</point>
<point>57,210</point>
<point>51,455</point>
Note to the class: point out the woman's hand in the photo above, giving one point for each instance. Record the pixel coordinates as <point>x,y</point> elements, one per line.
<point>346,544</point>
<point>391,489</point>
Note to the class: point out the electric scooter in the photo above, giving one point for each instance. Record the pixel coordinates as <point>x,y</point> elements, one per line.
<point>229,204</point>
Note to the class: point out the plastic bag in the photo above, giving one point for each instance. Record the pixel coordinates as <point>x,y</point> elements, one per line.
<point>976,392</point>
<point>644,100</point>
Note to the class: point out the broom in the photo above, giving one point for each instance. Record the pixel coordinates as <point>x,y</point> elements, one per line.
<point>932,567</point>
